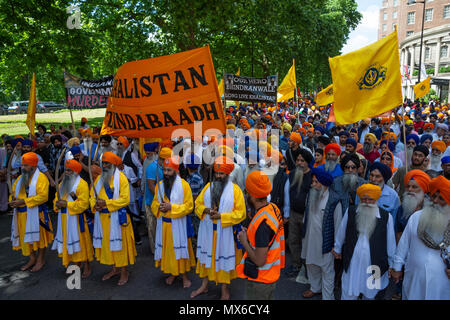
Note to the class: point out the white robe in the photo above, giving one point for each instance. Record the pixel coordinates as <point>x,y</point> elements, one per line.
<point>355,280</point>
<point>425,277</point>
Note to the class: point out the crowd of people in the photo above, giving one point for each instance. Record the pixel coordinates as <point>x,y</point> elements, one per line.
<point>359,207</point>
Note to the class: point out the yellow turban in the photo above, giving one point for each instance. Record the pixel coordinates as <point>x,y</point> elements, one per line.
<point>165,153</point>
<point>371,137</point>
<point>370,190</point>
<point>440,145</point>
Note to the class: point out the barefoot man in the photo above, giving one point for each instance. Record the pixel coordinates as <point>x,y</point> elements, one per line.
<point>31,226</point>
<point>113,232</point>
<point>173,201</point>
<point>73,240</point>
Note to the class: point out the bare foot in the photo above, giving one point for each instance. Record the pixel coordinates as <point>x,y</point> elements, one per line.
<point>111,274</point>
<point>170,280</point>
<point>186,282</point>
<point>38,266</point>
<point>225,293</point>
<point>87,270</point>
<point>199,291</point>
<point>123,278</point>
<point>29,264</point>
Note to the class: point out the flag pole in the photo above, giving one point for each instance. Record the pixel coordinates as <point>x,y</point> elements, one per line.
<point>404,138</point>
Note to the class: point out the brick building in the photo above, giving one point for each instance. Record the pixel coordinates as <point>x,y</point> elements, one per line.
<point>436,41</point>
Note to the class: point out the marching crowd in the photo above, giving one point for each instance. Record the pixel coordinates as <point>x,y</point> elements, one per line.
<point>358,206</point>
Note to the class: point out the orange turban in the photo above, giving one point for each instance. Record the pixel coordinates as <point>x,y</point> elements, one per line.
<point>442,185</point>
<point>30,158</point>
<point>223,164</point>
<point>303,131</point>
<point>428,125</point>
<point>165,153</point>
<point>393,135</point>
<point>124,141</point>
<point>258,184</point>
<point>73,165</point>
<point>296,137</point>
<point>172,163</point>
<point>370,190</point>
<point>111,158</point>
<point>306,124</point>
<point>333,146</point>
<point>440,145</point>
<point>419,176</point>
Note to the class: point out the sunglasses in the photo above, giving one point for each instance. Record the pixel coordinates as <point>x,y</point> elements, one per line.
<point>350,167</point>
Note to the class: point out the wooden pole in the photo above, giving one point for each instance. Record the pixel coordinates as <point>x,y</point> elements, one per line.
<point>404,138</point>
<point>90,172</point>
<point>58,164</point>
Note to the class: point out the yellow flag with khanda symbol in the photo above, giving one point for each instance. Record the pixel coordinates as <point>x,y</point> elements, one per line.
<point>325,96</point>
<point>31,115</point>
<point>422,88</point>
<point>288,86</point>
<point>367,82</point>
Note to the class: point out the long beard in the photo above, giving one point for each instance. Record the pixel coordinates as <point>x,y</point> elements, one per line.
<point>298,179</point>
<point>410,202</point>
<point>314,199</point>
<point>433,220</point>
<point>366,218</point>
<point>119,152</point>
<point>350,181</point>
<point>88,143</point>
<point>367,147</point>
<point>67,183</point>
<point>26,175</point>
<point>168,182</point>
<point>435,161</point>
<point>330,165</point>
<point>107,174</point>
<point>217,190</point>
<point>409,153</point>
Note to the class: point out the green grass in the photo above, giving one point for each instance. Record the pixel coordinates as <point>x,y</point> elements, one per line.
<point>15,124</point>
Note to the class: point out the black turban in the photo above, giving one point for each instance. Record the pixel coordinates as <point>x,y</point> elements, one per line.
<point>350,157</point>
<point>423,149</point>
<point>384,169</point>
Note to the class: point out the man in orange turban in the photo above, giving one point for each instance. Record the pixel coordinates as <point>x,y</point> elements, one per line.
<point>331,165</point>
<point>426,276</point>
<point>438,148</point>
<point>28,199</point>
<point>172,204</point>
<point>365,238</point>
<point>72,223</point>
<point>220,206</point>
<point>109,197</point>
<point>416,186</point>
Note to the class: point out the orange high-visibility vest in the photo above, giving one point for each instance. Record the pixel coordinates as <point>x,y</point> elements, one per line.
<point>270,271</point>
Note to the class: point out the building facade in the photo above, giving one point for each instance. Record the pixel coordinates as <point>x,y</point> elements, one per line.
<point>435,55</point>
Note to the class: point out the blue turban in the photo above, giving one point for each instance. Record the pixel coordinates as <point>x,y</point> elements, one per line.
<point>390,145</point>
<point>318,128</point>
<point>413,136</point>
<point>384,169</point>
<point>151,146</point>
<point>344,133</point>
<point>27,142</point>
<point>445,160</point>
<point>15,141</point>
<point>75,150</point>
<point>194,162</point>
<point>322,176</point>
<point>352,142</point>
<point>425,137</point>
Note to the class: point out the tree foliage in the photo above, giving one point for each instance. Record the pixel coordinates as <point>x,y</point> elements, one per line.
<point>259,36</point>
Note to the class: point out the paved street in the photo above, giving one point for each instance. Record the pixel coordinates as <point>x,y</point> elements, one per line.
<point>146,282</point>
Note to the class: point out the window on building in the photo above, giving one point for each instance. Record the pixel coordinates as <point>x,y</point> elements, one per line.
<point>409,33</point>
<point>411,17</point>
<point>395,3</point>
<point>384,28</point>
<point>427,53</point>
<point>429,15</point>
<point>385,16</point>
<point>394,15</point>
<point>447,12</point>
<point>444,52</point>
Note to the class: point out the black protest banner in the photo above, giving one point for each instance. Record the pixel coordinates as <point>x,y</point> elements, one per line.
<point>251,89</point>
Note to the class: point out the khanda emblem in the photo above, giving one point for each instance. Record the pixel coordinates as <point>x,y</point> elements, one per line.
<point>422,87</point>
<point>373,77</point>
<point>329,92</point>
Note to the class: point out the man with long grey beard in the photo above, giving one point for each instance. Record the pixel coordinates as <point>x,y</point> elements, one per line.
<point>423,243</point>
<point>365,242</point>
<point>320,267</point>
<point>299,182</point>
<point>437,151</point>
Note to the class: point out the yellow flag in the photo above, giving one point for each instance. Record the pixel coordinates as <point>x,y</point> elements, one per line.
<point>367,82</point>
<point>222,87</point>
<point>325,96</point>
<point>31,116</point>
<point>288,86</point>
<point>422,88</point>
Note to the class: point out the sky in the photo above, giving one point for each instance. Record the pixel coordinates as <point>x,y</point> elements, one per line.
<point>367,30</point>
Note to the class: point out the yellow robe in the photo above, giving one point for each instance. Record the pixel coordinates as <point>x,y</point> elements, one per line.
<point>169,263</point>
<point>128,253</point>
<point>41,197</point>
<point>77,207</point>
<point>227,219</point>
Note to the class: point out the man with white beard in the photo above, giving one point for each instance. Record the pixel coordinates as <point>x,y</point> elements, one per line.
<point>332,152</point>
<point>320,267</point>
<point>427,234</point>
<point>437,151</point>
<point>416,184</point>
<point>365,242</point>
